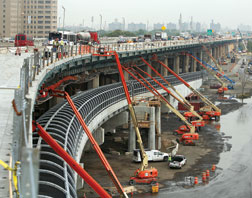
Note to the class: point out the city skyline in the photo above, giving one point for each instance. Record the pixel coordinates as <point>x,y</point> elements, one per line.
<point>228,13</point>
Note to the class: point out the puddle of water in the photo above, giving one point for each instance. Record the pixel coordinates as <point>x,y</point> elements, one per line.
<point>238,125</point>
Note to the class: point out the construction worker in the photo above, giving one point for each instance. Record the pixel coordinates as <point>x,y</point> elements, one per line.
<point>170,158</point>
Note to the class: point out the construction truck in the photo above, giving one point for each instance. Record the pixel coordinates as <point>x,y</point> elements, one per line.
<point>153,155</point>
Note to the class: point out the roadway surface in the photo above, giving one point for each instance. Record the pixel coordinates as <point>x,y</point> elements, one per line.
<point>9,80</point>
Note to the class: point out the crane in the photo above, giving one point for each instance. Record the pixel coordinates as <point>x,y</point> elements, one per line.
<point>209,110</point>
<point>188,137</point>
<point>243,42</point>
<point>223,84</point>
<point>191,112</point>
<point>213,59</point>
<point>144,174</point>
<point>183,128</point>
<point>220,72</point>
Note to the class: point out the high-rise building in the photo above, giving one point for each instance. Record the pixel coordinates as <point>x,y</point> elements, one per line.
<point>136,26</point>
<point>32,17</point>
<point>115,25</point>
<point>171,26</point>
<point>180,22</point>
<point>39,17</point>
<point>10,20</point>
<point>157,26</point>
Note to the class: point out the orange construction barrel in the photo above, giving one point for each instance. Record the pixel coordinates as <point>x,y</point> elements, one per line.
<point>203,176</point>
<point>196,180</point>
<point>213,167</point>
<point>207,173</point>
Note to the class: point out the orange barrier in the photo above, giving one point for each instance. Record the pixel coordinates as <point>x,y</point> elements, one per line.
<point>213,167</point>
<point>196,180</point>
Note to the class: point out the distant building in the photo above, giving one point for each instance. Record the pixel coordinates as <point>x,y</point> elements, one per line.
<point>198,27</point>
<point>242,27</point>
<point>180,22</point>
<point>185,27</point>
<point>157,26</point>
<point>171,26</point>
<point>135,27</point>
<point>36,18</point>
<point>215,26</point>
<point>115,25</point>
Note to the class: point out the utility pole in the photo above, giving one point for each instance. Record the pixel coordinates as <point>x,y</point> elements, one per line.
<point>63,21</point>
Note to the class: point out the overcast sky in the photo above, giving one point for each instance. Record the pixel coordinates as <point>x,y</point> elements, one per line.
<point>227,12</point>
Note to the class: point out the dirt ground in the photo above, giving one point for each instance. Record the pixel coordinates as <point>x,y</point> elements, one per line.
<point>199,158</point>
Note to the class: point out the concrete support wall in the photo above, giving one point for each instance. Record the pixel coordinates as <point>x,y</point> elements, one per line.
<point>151,134</point>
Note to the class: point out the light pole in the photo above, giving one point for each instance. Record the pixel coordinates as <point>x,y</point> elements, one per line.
<point>100,22</point>
<point>63,21</point>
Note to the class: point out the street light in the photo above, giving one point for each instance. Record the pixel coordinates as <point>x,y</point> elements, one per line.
<point>63,21</point>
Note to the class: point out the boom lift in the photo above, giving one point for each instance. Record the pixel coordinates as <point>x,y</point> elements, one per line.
<point>210,110</point>
<point>185,139</point>
<point>220,72</point>
<point>143,175</point>
<point>191,112</point>
<point>223,84</point>
<point>184,128</point>
<point>213,59</point>
<point>62,94</point>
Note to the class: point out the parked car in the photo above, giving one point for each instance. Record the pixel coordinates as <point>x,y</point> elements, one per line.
<point>153,155</point>
<point>177,161</point>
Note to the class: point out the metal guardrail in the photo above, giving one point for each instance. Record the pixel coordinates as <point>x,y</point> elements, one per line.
<point>22,138</point>
<point>61,123</point>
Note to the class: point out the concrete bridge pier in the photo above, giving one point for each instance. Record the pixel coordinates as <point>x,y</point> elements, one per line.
<point>164,71</point>
<point>141,112</point>
<point>158,125</point>
<point>186,64</point>
<point>176,64</point>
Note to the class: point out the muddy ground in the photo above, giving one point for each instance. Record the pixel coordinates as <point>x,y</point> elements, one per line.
<point>199,158</point>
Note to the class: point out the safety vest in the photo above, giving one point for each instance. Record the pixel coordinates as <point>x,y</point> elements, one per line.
<point>61,42</point>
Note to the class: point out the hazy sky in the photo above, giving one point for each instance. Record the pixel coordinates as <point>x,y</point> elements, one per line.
<point>227,12</point>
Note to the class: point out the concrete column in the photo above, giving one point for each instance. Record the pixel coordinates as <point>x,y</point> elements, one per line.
<point>164,71</point>
<point>186,64</point>
<point>126,75</point>
<point>201,58</point>
<point>158,125</point>
<point>151,135</point>
<point>176,64</point>
<point>132,137</point>
<point>194,65</point>
<point>96,81</point>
